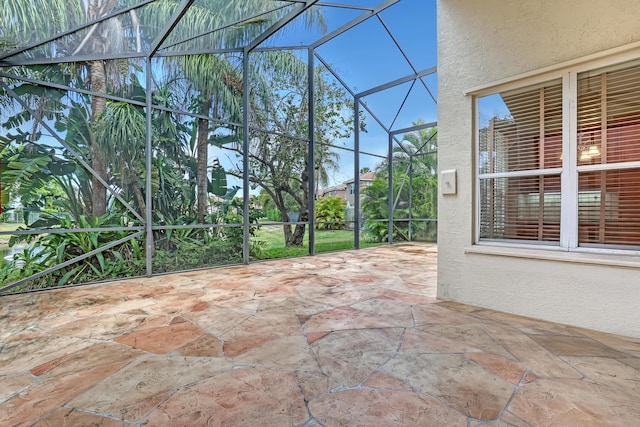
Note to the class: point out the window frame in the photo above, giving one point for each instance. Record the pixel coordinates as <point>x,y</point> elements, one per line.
<point>570,170</point>
<point>521,173</point>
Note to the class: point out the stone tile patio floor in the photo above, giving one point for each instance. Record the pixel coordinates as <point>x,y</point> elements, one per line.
<point>346,339</point>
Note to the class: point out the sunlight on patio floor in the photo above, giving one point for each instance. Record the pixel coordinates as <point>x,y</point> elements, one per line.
<point>342,339</point>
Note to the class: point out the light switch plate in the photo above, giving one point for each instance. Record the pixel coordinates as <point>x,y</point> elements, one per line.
<point>448,182</point>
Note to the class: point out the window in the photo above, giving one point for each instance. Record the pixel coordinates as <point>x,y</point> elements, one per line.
<point>608,140</point>
<point>528,184</point>
<point>520,150</point>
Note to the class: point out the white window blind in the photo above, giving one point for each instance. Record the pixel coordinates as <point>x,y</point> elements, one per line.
<point>608,156</point>
<point>519,160</point>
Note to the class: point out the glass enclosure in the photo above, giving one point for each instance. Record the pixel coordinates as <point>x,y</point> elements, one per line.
<point>142,137</point>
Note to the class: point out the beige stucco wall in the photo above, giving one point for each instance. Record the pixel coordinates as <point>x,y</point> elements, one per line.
<point>483,41</point>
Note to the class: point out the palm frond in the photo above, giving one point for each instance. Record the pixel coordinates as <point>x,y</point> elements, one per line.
<point>27,22</point>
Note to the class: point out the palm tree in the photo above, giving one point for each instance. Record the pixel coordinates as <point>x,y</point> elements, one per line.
<point>421,144</point>
<point>214,78</point>
<point>217,84</point>
<point>34,21</point>
<point>416,154</point>
<point>131,127</point>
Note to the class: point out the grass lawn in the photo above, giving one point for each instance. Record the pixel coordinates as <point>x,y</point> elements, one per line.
<point>4,226</point>
<point>4,239</point>
<point>272,237</point>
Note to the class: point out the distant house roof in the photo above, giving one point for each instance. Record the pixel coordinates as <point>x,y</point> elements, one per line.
<point>369,176</point>
<point>338,187</point>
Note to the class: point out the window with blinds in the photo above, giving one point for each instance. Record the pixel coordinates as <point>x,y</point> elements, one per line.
<point>608,153</point>
<point>529,189</point>
<point>519,161</point>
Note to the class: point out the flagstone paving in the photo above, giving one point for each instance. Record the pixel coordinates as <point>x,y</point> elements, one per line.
<point>346,339</point>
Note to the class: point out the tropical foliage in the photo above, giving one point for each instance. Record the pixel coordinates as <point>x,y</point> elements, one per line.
<point>415,191</point>
<point>87,97</point>
<point>121,259</point>
<point>75,133</point>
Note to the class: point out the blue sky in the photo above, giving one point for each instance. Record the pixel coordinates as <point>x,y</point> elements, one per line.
<point>366,57</point>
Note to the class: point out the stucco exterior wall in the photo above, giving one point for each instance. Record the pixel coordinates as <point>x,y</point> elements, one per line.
<point>483,41</point>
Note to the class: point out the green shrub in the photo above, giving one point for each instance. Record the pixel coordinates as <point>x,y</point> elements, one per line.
<point>188,248</point>
<point>46,250</point>
<point>197,253</point>
<point>330,213</point>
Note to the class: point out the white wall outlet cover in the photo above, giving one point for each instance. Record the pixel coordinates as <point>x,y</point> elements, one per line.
<point>448,182</point>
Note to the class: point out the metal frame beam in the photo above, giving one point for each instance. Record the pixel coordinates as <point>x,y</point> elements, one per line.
<point>71,89</point>
<point>279,25</point>
<point>355,96</point>
<point>404,54</point>
<point>329,4</point>
<point>69,59</point>
<point>162,36</point>
<point>397,82</point>
<point>410,194</point>
<point>356,174</point>
<point>349,25</point>
<point>414,128</point>
<point>68,230</point>
<point>224,27</point>
<point>149,243</point>
<point>344,6</point>
<point>74,29</point>
<point>390,192</point>
<point>404,101</point>
<point>245,157</point>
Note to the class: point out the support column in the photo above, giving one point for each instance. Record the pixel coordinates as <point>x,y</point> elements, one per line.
<point>245,157</point>
<point>356,172</point>
<point>390,191</point>
<point>148,166</point>
<point>311,166</point>
<point>410,196</point>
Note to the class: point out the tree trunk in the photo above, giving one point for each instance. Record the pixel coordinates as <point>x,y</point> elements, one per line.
<point>288,235</point>
<point>202,153</point>
<point>297,238</point>
<point>98,76</point>
<point>284,216</point>
<point>137,191</point>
